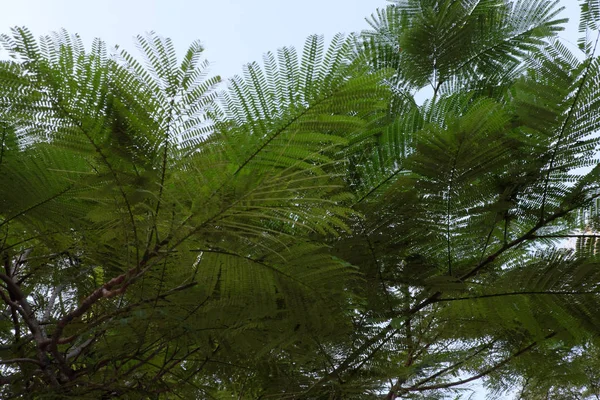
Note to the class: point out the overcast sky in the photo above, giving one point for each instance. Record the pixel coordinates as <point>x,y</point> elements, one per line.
<point>234,32</point>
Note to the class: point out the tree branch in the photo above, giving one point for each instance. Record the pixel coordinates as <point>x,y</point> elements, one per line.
<point>485,372</point>
<point>32,323</point>
<point>525,293</point>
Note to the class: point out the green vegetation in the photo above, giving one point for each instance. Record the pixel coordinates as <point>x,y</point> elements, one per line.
<point>312,231</point>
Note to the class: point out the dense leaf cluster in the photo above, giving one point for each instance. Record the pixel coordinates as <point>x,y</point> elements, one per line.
<point>313,230</point>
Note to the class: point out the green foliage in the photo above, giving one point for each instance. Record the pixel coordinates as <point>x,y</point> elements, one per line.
<point>310,229</point>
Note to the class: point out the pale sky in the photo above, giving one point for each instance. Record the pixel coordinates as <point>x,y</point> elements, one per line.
<point>234,32</point>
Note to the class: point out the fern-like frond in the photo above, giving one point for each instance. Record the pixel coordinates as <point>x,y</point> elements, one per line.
<point>420,39</point>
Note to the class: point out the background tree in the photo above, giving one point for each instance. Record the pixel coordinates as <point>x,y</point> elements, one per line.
<point>313,231</point>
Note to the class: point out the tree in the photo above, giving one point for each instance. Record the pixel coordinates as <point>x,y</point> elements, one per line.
<point>312,231</point>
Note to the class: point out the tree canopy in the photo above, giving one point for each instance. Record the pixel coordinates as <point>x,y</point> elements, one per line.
<point>312,229</point>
